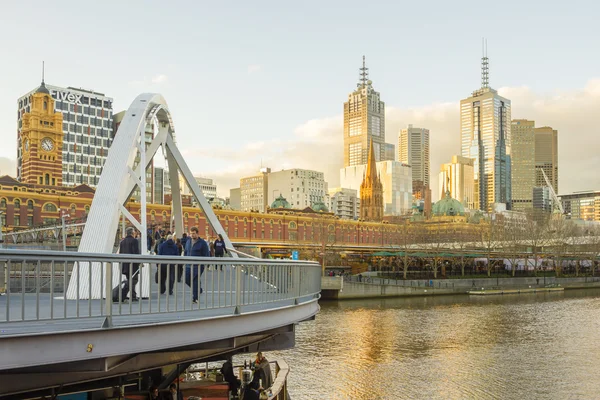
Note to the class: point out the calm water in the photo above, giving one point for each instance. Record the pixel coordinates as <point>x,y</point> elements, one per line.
<point>543,346</point>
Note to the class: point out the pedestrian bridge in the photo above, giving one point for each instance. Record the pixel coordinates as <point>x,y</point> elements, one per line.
<point>50,343</point>
<point>61,331</point>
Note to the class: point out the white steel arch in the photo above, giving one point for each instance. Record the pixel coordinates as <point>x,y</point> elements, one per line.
<point>117,183</point>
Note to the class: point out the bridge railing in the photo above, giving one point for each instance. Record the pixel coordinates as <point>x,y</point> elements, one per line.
<point>42,286</point>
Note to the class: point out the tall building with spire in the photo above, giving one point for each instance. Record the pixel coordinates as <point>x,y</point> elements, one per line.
<point>364,122</point>
<point>87,130</point>
<point>41,140</point>
<point>485,123</point>
<point>371,191</point>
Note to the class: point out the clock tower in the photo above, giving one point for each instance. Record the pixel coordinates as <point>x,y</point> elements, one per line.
<point>41,141</point>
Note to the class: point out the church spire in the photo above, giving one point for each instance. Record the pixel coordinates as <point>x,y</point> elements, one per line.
<point>371,175</point>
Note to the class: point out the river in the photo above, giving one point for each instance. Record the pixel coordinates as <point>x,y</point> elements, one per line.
<point>535,346</point>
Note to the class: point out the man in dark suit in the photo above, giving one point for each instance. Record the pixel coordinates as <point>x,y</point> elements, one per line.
<point>130,245</point>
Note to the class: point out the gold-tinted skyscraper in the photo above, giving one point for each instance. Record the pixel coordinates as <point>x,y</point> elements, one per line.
<point>523,163</point>
<point>485,137</point>
<point>364,122</point>
<point>546,156</point>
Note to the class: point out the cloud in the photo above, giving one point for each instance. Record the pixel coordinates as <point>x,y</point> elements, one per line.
<point>254,68</point>
<point>318,143</point>
<point>158,79</point>
<point>8,166</point>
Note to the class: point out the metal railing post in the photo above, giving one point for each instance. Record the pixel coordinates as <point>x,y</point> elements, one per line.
<point>238,289</point>
<point>108,294</point>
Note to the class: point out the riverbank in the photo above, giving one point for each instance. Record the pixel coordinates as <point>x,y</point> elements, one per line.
<point>335,288</point>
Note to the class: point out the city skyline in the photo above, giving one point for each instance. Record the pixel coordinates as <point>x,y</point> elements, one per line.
<point>260,79</point>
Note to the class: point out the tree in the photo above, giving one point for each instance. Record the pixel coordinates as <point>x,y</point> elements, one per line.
<point>490,236</point>
<point>435,246</point>
<point>406,237</point>
<point>562,239</point>
<point>537,234</point>
<point>461,244</point>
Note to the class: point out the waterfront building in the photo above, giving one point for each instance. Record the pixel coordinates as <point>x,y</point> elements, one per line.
<point>413,149</point>
<point>582,205</point>
<point>396,178</point>
<point>86,127</point>
<point>364,122</point>
<point>276,233</point>
<point>523,164</point>
<point>457,177</point>
<point>254,191</point>
<point>390,152</point>
<point>302,187</point>
<point>485,137</point>
<point>546,156</point>
<point>235,199</point>
<point>344,203</point>
<point>371,192</point>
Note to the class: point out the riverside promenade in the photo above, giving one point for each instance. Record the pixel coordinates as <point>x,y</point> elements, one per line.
<point>338,288</point>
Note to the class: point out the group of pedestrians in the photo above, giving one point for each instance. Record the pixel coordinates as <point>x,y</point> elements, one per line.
<point>166,244</point>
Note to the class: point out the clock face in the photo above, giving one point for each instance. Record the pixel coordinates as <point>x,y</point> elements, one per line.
<point>47,144</point>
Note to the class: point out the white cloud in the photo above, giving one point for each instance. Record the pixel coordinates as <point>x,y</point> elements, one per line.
<point>254,68</point>
<point>158,79</point>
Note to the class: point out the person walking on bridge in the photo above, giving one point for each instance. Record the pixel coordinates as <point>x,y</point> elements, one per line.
<point>130,245</point>
<point>220,248</point>
<point>195,247</point>
<point>168,248</point>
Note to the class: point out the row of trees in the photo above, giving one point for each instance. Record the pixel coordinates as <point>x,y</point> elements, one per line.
<point>519,242</point>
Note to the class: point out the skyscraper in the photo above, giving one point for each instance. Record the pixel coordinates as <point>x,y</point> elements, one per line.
<point>371,191</point>
<point>390,152</point>
<point>546,156</point>
<point>523,163</point>
<point>485,137</point>
<point>413,149</point>
<point>364,122</point>
<point>457,178</point>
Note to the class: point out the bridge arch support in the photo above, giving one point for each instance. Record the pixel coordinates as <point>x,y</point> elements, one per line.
<point>120,176</point>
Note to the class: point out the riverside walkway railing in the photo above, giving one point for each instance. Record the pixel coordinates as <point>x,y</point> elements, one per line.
<point>35,286</point>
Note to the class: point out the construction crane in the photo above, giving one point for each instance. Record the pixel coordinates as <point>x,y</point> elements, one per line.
<point>556,204</point>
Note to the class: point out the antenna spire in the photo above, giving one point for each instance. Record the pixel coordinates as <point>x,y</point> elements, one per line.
<point>43,68</point>
<point>485,68</point>
<point>364,74</point>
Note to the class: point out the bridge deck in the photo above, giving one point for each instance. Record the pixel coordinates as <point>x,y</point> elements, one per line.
<point>31,313</point>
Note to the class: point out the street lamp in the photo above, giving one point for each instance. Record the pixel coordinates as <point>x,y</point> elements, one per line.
<point>64,233</point>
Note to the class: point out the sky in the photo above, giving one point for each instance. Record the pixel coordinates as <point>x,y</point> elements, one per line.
<point>264,82</point>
